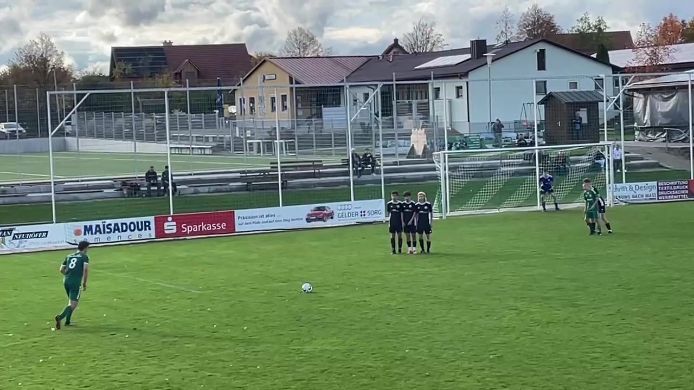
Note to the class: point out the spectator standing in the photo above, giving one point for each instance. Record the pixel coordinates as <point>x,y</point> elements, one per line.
<point>165,182</point>
<point>356,163</point>
<point>617,159</point>
<point>151,178</point>
<point>578,126</point>
<point>498,130</point>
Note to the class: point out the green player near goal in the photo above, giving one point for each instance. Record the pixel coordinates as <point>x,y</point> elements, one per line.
<point>591,208</point>
<point>602,210</point>
<point>75,270</point>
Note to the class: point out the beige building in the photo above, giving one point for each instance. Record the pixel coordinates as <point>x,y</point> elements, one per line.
<point>296,90</point>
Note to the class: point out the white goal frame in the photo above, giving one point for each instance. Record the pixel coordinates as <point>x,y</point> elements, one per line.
<point>442,161</point>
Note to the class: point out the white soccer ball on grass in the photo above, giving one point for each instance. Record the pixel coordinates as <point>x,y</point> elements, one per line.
<point>307,287</point>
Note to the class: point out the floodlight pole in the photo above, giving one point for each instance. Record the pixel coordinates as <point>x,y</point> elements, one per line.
<point>348,103</point>
<point>277,149</point>
<point>537,150</point>
<point>604,105</point>
<point>490,58</point>
<point>168,149</point>
<point>50,155</point>
<point>621,121</point>
<point>380,140</point>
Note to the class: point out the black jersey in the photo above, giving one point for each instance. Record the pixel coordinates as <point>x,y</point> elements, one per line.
<point>408,210</point>
<point>423,211</point>
<point>394,209</point>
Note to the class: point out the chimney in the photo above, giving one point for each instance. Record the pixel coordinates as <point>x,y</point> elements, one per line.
<point>395,41</point>
<point>478,48</point>
<point>167,43</point>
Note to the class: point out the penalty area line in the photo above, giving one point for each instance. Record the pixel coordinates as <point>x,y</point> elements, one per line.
<point>162,284</point>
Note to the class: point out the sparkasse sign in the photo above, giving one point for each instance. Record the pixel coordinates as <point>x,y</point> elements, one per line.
<point>195,225</point>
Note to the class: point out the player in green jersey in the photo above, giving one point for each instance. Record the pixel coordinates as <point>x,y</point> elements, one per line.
<point>75,269</point>
<point>591,208</point>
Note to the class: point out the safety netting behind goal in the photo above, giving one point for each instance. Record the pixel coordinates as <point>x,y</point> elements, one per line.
<point>500,179</point>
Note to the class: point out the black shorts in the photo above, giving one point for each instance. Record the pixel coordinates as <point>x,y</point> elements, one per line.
<point>601,209</point>
<point>547,192</point>
<point>411,229</point>
<point>395,228</point>
<point>424,229</point>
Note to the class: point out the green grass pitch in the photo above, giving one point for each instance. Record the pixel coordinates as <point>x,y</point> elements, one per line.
<point>510,301</point>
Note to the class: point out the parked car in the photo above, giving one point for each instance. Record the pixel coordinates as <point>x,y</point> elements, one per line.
<point>11,130</point>
<point>320,214</point>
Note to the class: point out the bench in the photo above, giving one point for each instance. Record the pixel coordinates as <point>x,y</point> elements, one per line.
<point>309,165</point>
<point>263,181</point>
<point>195,149</point>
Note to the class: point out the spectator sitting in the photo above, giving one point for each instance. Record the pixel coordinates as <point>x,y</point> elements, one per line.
<point>600,160</point>
<point>151,180</point>
<point>356,163</point>
<point>368,160</point>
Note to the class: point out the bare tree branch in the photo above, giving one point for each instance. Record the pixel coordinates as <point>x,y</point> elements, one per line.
<point>423,38</point>
<point>301,42</point>
<point>505,26</point>
<point>535,23</point>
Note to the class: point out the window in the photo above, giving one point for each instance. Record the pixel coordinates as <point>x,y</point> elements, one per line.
<point>437,93</point>
<point>541,87</point>
<point>541,59</point>
<point>599,83</point>
<point>273,103</point>
<point>459,91</point>
<point>285,106</point>
<point>615,82</point>
<point>573,85</point>
<point>242,106</point>
<point>251,105</point>
<point>365,96</point>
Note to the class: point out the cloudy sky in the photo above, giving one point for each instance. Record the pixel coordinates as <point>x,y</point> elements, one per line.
<point>86,29</point>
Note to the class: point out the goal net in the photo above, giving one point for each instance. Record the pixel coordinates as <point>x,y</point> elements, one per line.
<point>478,181</point>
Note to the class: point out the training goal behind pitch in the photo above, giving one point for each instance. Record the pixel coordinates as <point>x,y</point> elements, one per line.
<point>493,180</point>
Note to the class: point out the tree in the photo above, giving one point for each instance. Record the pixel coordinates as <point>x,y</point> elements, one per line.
<point>671,30</point>
<point>504,26</point>
<point>121,70</point>
<point>259,56</point>
<point>688,33</point>
<point>650,54</point>
<point>39,63</point>
<point>591,32</point>
<point>423,38</point>
<point>301,42</point>
<point>535,23</point>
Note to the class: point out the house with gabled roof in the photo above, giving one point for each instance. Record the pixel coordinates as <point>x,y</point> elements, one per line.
<point>456,83</point>
<point>298,89</point>
<point>200,65</point>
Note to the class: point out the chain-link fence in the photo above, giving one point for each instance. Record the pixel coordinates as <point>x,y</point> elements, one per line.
<point>270,144</point>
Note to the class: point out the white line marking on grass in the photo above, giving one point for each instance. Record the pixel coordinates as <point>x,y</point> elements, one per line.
<point>167,285</point>
<point>26,174</point>
<point>26,341</point>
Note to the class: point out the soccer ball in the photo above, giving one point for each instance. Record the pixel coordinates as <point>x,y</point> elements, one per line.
<point>307,288</point>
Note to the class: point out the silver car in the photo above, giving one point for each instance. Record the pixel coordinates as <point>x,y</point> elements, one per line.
<point>11,130</point>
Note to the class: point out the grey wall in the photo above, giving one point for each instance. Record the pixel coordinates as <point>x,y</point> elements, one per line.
<point>31,145</point>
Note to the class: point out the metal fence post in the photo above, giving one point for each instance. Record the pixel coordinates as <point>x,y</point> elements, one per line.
<point>277,152</point>
<point>691,130</point>
<point>132,114</point>
<point>348,104</point>
<point>167,124</point>
<point>38,114</point>
<point>535,143</point>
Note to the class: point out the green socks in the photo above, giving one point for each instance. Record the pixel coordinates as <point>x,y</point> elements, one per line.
<point>67,313</point>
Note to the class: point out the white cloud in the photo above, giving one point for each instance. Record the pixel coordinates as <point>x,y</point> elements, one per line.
<point>86,29</point>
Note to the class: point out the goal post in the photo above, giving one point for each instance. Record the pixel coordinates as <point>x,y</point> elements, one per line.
<point>495,180</point>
